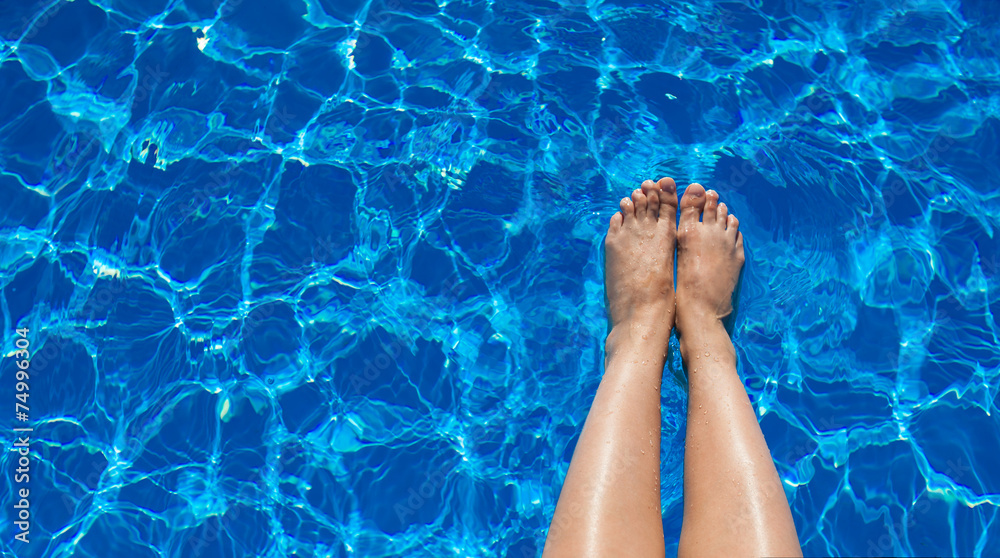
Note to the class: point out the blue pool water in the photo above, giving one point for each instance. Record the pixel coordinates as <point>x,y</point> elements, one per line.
<point>323,277</point>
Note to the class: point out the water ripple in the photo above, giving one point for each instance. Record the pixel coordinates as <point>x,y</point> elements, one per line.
<point>320,278</point>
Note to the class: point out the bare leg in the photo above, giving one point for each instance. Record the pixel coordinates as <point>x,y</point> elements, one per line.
<point>734,504</point>
<point>610,502</point>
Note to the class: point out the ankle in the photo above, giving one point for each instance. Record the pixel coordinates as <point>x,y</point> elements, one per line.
<point>640,330</point>
<point>699,325</point>
<point>693,318</point>
<point>695,335</point>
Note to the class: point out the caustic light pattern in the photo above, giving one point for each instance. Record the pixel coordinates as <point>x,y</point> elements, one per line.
<point>324,277</point>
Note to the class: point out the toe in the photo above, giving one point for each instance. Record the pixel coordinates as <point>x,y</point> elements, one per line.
<point>652,191</point>
<point>653,203</point>
<point>668,202</point>
<point>639,201</point>
<point>723,215</point>
<point>627,208</point>
<point>648,186</point>
<point>691,205</point>
<point>710,214</point>
<point>739,247</point>
<point>616,223</point>
<point>733,226</point>
<point>668,191</point>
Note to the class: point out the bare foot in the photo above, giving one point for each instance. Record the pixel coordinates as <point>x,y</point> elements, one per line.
<point>639,251</point>
<point>709,258</point>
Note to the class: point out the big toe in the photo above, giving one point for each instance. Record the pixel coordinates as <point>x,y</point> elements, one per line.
<point>668,193</point>
<point>668,202</point>
<point>692,204</point>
